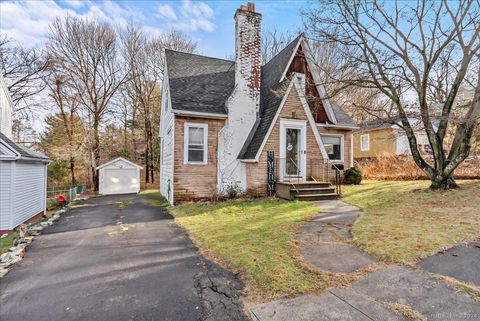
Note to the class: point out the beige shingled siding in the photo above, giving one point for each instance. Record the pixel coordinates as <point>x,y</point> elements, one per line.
<point>195,181</point>
<point>257,172</point>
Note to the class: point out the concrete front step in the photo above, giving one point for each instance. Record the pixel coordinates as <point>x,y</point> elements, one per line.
<point>317,197</point>
<point>312,190</point>
<point>305,184</point>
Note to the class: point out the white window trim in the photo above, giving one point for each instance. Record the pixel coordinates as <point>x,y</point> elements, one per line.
<point>185,143</point>
<point>342,147</point>
<point>368,143</point>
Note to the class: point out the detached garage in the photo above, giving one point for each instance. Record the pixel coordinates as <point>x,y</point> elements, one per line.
<point>119,176</point>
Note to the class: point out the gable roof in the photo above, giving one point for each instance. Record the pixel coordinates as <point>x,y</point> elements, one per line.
<point>21,151</point>
<point>198,83</point>
<point>119,159</point>
<point>270,101</point>
<point>274,69</point>
<point>203,84</point>
<point>343,119</point>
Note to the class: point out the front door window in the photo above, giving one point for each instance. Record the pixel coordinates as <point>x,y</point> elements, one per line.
<point>292,148</point>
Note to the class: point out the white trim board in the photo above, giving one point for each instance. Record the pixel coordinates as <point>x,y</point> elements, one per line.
<point>302,153</point>
<point>316,78</point>
<point>117,159</point>
<point>186,126</point>
<point>198,114</point>
<point>294,82</point>
<point>342,147</point>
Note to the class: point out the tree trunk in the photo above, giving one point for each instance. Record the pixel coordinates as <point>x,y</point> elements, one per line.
<point>72,170</point>
<point>441,181</point>
<point>96,153</point>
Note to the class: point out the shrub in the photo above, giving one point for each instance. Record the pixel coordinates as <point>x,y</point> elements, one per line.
<point>232,191</point>
<point>353,176</point>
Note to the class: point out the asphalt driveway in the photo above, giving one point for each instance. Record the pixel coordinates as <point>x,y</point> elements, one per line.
<point>117,258</point>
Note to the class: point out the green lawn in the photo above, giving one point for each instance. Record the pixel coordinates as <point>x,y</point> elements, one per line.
<point>256,239</point>
<point>405,220</point>
<point>154,197</point>
<point>8,241</point>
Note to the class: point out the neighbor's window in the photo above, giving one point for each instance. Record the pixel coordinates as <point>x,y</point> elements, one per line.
<point>364,142</point>
<point>333,146</point>
<point>196,143</point>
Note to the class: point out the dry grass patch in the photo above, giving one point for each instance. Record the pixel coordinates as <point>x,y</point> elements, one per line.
<point>406,311</point>
<point>405,220</point>
<point>256,239</point>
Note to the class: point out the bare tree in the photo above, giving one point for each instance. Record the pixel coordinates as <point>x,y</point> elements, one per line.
<point>399,48</point>
<point>144,59</point>
<point>273,42</point>
<point>23,70</point>
<point>66,103</point>
<point>86,52</point>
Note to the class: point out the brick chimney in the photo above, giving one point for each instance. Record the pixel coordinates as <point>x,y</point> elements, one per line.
<point>244,102</point>
<point>247,52</point>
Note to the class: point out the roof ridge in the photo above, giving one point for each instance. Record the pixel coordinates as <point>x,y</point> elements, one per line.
<point>301,35</point>
<point>198,55</point>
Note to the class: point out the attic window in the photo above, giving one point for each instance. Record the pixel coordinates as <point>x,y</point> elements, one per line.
<point>195,143</point>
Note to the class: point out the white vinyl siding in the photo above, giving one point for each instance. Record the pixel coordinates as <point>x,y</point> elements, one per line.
<point>22,192</point>
<point>167,139</point>
<point>5,110</point>
<point>28,192</point>
<point>6,169</point>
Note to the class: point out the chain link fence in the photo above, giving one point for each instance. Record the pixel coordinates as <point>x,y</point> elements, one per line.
<point>55,194</point>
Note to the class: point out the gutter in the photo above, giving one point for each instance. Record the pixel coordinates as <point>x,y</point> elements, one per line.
<point>198,114</point>
<point>338,126</point>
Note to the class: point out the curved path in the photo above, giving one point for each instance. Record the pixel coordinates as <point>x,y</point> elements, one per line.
<point>394,293</point>
<point>325,241</point>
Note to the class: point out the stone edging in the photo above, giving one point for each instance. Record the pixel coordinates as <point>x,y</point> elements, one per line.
<point>15,253</point>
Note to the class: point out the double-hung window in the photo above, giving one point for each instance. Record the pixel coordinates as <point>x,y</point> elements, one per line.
<point>334,147</point>
<point>195,144</point>
<point>364,142</point>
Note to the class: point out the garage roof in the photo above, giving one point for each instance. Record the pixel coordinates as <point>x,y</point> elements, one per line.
<point>119,159</point>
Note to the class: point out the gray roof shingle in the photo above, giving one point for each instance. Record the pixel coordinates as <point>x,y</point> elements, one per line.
<point>203,84</point>
<point>199,83</point>
<point>23,151</point>
<point>269,103</point>
<point>342,117</point>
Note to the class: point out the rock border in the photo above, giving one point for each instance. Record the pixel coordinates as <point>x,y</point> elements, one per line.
<point>27,234</point>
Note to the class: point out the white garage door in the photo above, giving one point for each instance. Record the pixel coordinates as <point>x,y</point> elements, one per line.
<point>120,181</point>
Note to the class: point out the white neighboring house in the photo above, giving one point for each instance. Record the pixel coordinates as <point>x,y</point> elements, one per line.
<point>23,184</point>
<point>23,174</point>
<point>119,176</point>
<point>6,106</point>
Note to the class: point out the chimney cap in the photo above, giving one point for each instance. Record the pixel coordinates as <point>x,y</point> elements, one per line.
<point>249,7</point>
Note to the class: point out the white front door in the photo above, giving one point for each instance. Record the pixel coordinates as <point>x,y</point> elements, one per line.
<point>293,154</point>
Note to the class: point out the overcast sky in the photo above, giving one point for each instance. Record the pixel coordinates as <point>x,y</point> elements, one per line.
<point>210,23</point>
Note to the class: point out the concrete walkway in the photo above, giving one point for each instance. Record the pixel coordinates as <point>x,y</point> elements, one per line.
<point>380,296</point>
<point>393,293</point>
<point>325,241</point>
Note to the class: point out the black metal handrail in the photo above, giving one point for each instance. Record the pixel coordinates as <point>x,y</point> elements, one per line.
<point>338,178</point>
